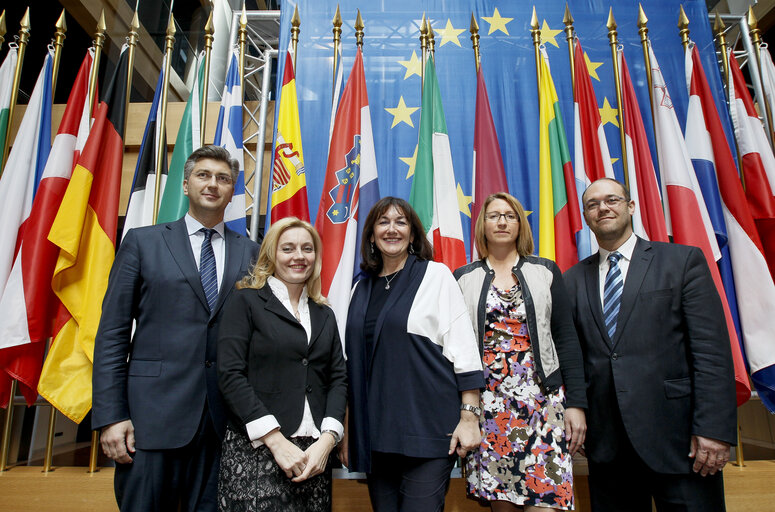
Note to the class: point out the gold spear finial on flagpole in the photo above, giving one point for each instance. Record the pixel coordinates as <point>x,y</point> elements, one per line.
<point>295,24</point>
<point>161,142</point>
<point>683,26</point>
<point>613,38</point>
<point>59,41</point>
<point>423,48</point>
<point>535,32</point>
<point>3,28</point>
<point>99,40</point>
<point>644,42</point>
<point>753,25</point>
<point>474,29</point>
<point>431,41</point>
<point>243,44</point>
<point>359,30</point>
<point>209,37</point>
<point>24,37</point>
<point>132,38</point>
<point>337,30</point>
<point>567,20</point>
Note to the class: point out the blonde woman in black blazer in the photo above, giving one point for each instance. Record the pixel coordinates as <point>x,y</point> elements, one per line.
<point>283,377</point>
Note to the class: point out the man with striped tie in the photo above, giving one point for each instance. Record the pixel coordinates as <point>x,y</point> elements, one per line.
<point>155,389</point>
<point>660,384</point>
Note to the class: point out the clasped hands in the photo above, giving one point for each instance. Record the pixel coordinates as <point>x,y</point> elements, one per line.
<point>297,464</point>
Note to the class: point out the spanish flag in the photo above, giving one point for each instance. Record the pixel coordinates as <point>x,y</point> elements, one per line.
<point>559,218</point>
<point>289,184</point>
<point>85,231</point>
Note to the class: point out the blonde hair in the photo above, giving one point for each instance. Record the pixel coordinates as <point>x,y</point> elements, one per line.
<point>524,235</point>
<point>267,259</point>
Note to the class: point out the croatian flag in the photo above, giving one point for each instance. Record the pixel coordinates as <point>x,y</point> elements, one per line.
<point>228,133</point>
<point>743,266</point>
<point>349,191</point>
<point>687,216</point>
<point>593,160</point>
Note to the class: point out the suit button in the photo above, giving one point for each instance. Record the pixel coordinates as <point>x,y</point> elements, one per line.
<point>614,356</point>
<point>304,362</point>
<point>309,389</point>
<point>208,364</point>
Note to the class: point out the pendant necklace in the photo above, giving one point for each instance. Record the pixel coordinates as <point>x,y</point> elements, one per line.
<point>387,285</point>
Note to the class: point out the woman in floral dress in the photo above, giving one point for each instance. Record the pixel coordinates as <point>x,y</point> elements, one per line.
<point>533,404</point>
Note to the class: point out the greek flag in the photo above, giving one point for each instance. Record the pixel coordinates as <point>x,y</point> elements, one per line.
<point>228,134</point>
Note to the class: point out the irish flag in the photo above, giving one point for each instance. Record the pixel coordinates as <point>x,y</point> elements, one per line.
<point>434,194</point>
<point>559,218</point>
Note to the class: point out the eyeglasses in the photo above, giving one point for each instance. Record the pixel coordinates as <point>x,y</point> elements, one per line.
<point>610,201</point>
<point>511,217</point>
<point>205,176</point>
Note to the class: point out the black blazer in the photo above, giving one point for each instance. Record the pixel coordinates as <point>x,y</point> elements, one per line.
<point>667,374</point>
<point>161,376</point>
<point>266,366</point>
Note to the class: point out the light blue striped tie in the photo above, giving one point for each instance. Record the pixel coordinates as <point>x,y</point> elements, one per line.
<point>207,271</point>
<point>612,293</point>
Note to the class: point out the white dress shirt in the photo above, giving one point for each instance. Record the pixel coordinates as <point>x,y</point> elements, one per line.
<point>260,427</point>
<point>625,250</point>
<point>196,237</point>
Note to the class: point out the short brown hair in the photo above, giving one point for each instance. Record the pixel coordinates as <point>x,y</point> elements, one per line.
<point>524,241</point>
<point>422,248</point>
<point>267,258</point>
<point>217,153</point>
<point>625,190</point>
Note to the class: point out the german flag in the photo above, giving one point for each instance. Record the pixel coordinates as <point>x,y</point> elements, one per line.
<point>85,231</point>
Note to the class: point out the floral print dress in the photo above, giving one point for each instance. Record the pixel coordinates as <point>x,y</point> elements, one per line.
<point>523,457</point>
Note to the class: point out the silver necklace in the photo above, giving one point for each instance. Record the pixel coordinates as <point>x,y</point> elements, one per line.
<point>387,285</point>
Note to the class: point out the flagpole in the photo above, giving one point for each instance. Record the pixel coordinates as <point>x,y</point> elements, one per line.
<point>161,141</point>
<point>535,32</point>
<point>99,39</point>
<point>423,49</point>
<point>59,41</point>
<point>2,28</point>
<point>753,24</point>
<point>644,42</point>
<point>613,41</point>
<point>567,19</point>
<point>209,31</point>
<point>243,41</point>
<point>337,30</point>
<point>719,30</point>
<point>24,37</point>
<point>359,30</point>
<point>295,24</point>
<point>474,29</point>
<point>431,43</point>
<point>132,38</point>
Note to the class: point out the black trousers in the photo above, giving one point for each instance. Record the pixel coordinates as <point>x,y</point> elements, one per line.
<point>627,484</point>
<point>398,483</point>
<point>184,479</point>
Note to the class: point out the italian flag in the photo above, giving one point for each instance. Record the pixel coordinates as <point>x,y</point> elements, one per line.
<point>434,194</point>
<point>559,218</point>
<point>174,204</point>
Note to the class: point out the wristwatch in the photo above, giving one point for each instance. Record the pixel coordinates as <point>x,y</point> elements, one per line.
<point>334,434</point>
<point>471,408</point>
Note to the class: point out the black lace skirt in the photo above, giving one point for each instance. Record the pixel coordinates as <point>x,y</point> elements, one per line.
<point>251,481</point>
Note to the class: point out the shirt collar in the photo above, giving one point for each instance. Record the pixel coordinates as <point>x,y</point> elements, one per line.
<point>280,291</point>
<point>626,249</point>
<point>193,226</point>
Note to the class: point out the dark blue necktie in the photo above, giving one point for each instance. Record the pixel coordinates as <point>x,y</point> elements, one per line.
<point>207,271</point>
<point>612,293</point>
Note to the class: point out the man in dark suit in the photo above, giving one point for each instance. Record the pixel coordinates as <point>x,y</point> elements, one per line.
<point>155,387</point>
<point>660,384</point>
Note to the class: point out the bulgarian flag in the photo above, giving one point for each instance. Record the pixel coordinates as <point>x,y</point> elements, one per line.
<point>434,194</point>
<point>174,203</point>
<point>559,218</point>
<point>289,184</point>
<point>6,86</point>
<point>84,230</point>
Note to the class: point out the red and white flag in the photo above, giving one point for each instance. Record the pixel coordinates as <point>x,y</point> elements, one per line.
<point>685,211</point>
<point>758,161</point>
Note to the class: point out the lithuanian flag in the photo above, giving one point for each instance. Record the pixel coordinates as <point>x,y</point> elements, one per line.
<point>559,218</point>
<point>85,231</point>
